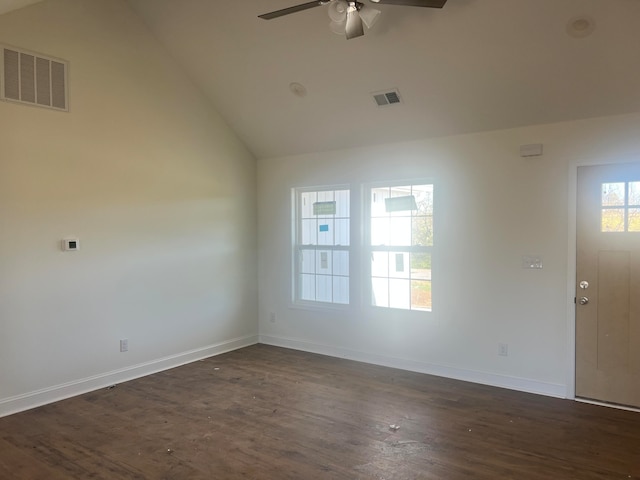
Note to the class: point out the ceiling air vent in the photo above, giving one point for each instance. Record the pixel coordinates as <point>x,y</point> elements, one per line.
<point>386,98</point>
<point>33,79</point>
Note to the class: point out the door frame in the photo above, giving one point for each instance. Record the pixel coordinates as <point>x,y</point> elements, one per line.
<point>572,189</point>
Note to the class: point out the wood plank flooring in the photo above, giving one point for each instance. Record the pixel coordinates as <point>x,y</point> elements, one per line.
<point>270,413</point>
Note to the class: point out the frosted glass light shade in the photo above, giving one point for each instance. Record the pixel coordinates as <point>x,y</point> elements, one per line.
<point>338,10</point>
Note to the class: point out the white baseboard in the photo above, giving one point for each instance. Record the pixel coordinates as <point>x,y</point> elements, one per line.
<point>495,380</point>
<point>55,393</point>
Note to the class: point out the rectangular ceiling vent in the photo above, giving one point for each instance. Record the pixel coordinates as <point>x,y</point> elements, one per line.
<point>385,98</point>
<point>33,79</point>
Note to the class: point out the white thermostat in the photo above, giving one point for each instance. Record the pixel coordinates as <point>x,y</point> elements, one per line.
<point>70,244</point>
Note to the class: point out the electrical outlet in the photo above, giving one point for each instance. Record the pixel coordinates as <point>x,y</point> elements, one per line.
<point>272,317</point>
<point>124,345</point>
<point>503,349</point>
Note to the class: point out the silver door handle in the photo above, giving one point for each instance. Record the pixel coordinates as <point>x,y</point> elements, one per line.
<point>583,300</point>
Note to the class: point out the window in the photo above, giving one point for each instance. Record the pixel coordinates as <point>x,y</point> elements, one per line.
<point>400,242</point>
<point>322,245</point>
<point>620,207</point>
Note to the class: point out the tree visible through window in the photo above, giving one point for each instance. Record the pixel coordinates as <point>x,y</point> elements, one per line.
<point>401,240</point>
<point>621,207</point>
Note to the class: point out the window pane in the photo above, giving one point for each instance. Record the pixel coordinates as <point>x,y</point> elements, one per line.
<point>378,196</point>
<point>380,264</point>
<point>322,222</point>
<point>422,231</point>
<point>308,261</point>
<point>634,193</point>
<point>613,219</point>
<point>399,265</point>
<point>420,295</point>
<point>400,192</point>
<point>307,199</point>
<point>424,199</point>
<point>342,203</point>
<point>325,231</point>
<point>380,231</point>
<point>307,287</point>
<point>326,196</point>
<point>380,292</point>
<point>399,293</point>
<point>612,194</point>
<point>634,220</point>
<point>342,232</point>
<point>400,231</point>
<point>323,288</point>
<point>341,263</point>
<point>341,290</point>
<point>405,222</point>
<point>324,262</point>
<point>309,235</point>
<point>421,266</point>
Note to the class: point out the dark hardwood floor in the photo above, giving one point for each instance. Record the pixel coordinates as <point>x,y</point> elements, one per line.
<point>270,413</point>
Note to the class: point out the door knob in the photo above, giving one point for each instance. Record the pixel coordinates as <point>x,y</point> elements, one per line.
<point>583,300</point>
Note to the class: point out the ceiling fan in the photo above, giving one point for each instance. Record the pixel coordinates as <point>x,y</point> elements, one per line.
<point>348,16</point>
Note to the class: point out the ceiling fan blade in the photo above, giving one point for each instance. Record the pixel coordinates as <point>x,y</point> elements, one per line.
<point>354,26</point>
<point>294,9</point>
<point>413,3</point>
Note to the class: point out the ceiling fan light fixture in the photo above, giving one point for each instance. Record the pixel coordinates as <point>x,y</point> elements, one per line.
<point>338,10</point>
<point>354,26</point>
<point>369,16</point>
<point>338,27</point>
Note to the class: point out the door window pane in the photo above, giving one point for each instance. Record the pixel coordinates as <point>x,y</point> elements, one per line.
<point>613,194</point>
<point>634,220</point>
<point>613,220</point>
<point>634,194</point>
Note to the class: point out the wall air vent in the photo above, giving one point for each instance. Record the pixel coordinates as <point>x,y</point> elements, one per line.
<point>33,79</point>
<point>385,98</point>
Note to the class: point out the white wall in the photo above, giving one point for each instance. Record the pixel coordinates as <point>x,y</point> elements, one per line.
<point>491,207</point>
<point>159,191</point>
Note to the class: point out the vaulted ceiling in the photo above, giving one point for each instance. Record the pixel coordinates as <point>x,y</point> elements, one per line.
<point>475,65</point>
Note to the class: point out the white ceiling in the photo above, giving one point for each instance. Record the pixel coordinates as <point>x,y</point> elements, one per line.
<point>475,65</point>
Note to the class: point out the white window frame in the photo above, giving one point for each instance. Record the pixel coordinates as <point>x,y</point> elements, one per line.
<point>299,247</point>
<point>369,248</point>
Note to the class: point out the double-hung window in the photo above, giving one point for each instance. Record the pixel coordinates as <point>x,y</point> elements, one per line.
<point>322,245</point>
<point>400,245</point>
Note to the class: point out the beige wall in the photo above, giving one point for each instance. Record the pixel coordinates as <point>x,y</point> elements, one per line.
<point>491,208</point>
<point>159,191</point>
